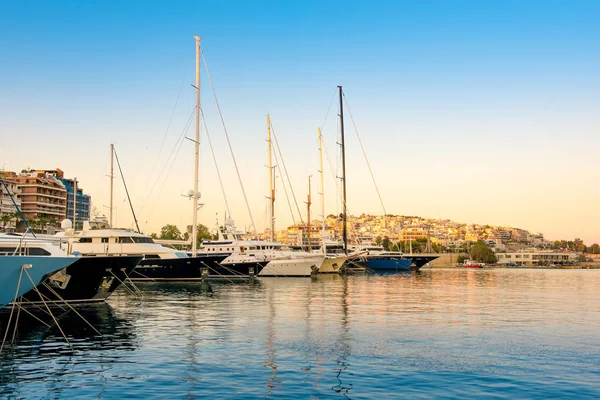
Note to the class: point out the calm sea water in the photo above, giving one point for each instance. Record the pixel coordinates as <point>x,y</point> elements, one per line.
<point>433,334</point>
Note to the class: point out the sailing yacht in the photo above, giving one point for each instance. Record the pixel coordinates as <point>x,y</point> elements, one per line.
<point>374,260</point>
<point>333,262</point>
<point>260,257</point>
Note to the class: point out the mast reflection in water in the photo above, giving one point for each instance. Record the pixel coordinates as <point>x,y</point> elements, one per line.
<point>439,333</point>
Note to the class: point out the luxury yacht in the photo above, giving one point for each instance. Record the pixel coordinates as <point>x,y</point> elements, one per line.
<point>159,262</point>
<point>86,279</point>
<point>22,267</point>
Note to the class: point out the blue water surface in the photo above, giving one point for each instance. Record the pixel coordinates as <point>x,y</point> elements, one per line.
<point>434,334</point>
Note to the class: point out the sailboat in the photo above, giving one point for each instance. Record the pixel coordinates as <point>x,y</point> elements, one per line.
<point>262,257</point>
<point>333,262</point>
<point>160,262</point>
<point>373,260</point>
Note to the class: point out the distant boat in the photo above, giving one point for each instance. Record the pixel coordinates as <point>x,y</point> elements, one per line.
<point>18,264</point>
<point>470,264</point>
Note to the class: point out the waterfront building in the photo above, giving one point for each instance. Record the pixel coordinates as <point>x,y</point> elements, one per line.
<point>297,235</point>
<point>43,195</point>
<point>81,211</point>
<point>8,213</point>
<point>532,258</point>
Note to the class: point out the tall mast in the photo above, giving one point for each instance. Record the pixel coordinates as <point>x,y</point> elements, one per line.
<point>112,178</point>
<point>271,181</point>
<point>308,203</point>
<point>322,190</point>
<point>343,148</point>
<point>196,152</point>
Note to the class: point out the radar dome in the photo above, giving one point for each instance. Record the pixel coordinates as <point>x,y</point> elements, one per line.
<point>66,224</point>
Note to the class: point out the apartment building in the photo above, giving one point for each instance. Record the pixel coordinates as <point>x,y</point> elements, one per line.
<point>43,195</point>
<point>8,219</point>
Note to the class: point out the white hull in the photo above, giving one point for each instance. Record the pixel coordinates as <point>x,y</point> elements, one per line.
<point>292,267</point>
<point>332,264</point>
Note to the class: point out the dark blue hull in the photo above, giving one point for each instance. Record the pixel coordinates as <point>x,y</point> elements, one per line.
<point>389,264</point>
<point>88,279</point>
<point>176,269</point>
<point>189,269</point>
<point>245,268</point>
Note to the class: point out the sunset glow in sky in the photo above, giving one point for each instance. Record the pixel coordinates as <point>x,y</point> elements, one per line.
<point>476,111</point>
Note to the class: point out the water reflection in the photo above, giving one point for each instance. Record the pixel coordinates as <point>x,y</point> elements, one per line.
<point>438,333</point>
<point>343,341</point>
<point>36,345</point>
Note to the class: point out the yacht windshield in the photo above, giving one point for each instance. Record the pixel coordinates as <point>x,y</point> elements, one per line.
<point>142,239</point>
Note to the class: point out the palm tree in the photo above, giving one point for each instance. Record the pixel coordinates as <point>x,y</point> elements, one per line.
<point>15,217</point>
<point>5,218</point>
<point>43,221</point>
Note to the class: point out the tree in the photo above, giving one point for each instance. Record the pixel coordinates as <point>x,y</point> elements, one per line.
<point>203,233</point>
<point>578,245</point>
<point>482,253</point>
<point>5,218</point>
<point>460,259</point>
<point>16,218</point>
<point>594,249</point>
<point>170,232</point>
<point>42,221</point>
<point>386,243</point>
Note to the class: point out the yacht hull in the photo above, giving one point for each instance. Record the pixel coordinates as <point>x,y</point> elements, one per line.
<point>87,279</point>
<point>419,260</point>
<point>38,267</point>
<point>242,268</point>
<point>332,265</point>
<point>389,264</point>
<point>292,267</point>
<point>176,269</point>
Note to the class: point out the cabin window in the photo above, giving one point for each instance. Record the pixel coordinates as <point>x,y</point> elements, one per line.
<point>142,240</point>
<point>32,251</point>
<point>125,240</point>
<point>85,240</point>
<point>151,256</point>
<point>104,240</point>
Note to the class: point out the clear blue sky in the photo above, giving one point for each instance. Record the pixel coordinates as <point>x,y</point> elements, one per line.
<point>477,111</point>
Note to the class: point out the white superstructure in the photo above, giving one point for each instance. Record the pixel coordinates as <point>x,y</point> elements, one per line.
<point>117,242</point>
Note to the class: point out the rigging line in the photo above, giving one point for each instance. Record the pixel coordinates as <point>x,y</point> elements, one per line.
<point>169,171</point>
<point>329,108</point>
<point>286,174</point>
<point>168,127</point>
<point>215,160</point>
<point>285,191</point>
<point>229,144</point>
<point>127,191</point>
<point>183,132</point>
<point>365,155</point>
